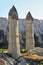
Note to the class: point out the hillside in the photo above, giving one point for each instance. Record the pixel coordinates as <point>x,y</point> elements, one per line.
<point>38,28</point>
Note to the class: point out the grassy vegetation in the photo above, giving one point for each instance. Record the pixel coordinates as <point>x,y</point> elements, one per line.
<point>3,50</point>
<point>41,63</point>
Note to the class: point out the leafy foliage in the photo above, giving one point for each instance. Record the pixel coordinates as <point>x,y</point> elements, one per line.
<point>41,63</point>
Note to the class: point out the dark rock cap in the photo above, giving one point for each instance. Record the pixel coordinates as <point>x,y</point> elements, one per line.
<point>29,16</point>
<point>13,13</point>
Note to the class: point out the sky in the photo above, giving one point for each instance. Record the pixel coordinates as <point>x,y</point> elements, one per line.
<point>23,7</point>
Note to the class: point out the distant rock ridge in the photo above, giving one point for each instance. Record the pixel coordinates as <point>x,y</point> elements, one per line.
<point>38,25</point>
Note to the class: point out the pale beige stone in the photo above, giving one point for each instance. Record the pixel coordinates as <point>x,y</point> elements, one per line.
<point>29,32</point>
<point>14,45</point>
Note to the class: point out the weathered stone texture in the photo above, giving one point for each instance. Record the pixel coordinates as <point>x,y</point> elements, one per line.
<point>29,32</point>
<point>14,46</point>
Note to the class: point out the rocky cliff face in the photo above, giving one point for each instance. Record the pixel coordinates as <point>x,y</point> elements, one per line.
<point>38,31</point>
<point>38,28</point>
<point>3,24</point>
<point>38,25</point>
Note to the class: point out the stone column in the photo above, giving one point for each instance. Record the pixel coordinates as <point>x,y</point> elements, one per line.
<point>29,32</point>
<point>14,46</point>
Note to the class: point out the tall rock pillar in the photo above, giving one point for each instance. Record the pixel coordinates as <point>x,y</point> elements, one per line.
<point>14,46</point>
<point>29,32</point>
